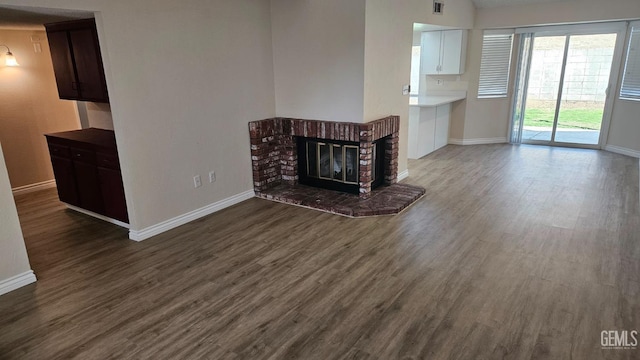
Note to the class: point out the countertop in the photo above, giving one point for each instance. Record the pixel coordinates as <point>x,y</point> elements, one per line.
<point>432,100</point>
<point>98,137</point>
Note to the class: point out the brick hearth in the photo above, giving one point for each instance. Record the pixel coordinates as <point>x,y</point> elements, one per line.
<point>274,158</point>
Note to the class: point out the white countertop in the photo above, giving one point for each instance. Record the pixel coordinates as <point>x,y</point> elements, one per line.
<point>437,99</point>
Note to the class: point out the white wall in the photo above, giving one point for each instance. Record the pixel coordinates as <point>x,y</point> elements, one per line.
<point>389,38</point>
<point>14,254</point>
<point>489,118</point>
<point>184,79</point>
<point>624,131</point>
<point>570,11</point>
<point>99,115</point>
<point>318,52</point>
<point>347,60</point>
<point>476,118</point>
<point>95,115</point>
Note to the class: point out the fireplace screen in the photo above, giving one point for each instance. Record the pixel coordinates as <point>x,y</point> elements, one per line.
<point>335,165</point>
<point>332,162</point>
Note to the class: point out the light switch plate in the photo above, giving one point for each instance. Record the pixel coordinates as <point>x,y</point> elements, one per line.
<point>406,89</point>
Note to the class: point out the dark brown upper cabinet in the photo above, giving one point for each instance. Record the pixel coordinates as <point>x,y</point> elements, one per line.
<point>77,62</point>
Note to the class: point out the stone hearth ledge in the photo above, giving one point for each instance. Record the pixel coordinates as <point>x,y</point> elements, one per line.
<point>385,200</point>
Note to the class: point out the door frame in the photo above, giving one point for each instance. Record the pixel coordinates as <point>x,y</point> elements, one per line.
<point>619,28</point>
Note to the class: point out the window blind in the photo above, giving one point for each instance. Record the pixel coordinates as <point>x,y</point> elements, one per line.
<point>630,89</point>
<point>495,64</point>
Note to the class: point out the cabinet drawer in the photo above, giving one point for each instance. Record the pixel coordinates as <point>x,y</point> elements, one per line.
<point>83,155</point>
<point>58,150</point>
<point>109,161</point>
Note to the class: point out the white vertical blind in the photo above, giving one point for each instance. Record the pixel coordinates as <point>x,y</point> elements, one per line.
<point>630,89</point>
<point>495,64</point>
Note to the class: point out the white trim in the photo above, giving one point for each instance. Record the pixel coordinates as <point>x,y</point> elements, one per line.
<point>499,32</point>
<point>139,235</point>
<point>34,187</point>
<point>575,29</point>
<point>403,175</point>
<point>478,141</point>
<point>18,281</point>
<point>623,151</point>
<point>98,216</point>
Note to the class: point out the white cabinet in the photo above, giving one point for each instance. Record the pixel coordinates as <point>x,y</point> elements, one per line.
<point>428,129</point>
<point>441,137</point>
<point>443,52</point>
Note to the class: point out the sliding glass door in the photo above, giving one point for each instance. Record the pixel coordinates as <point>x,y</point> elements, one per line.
<point>562,95</point>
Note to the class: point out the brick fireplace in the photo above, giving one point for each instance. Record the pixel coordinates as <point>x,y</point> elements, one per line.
<point>275,144</point>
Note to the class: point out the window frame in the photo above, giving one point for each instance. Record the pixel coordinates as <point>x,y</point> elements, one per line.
<point>632,91</point>
<point>504,77</point>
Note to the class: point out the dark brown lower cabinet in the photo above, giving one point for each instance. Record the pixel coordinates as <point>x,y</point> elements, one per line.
<point>87,171</point>
<point>65,180</point>
<point>89,189</point>
<point>115,205</point>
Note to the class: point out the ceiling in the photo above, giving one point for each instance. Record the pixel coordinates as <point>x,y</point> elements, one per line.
<point>496,3</point>
<point>30,18</point>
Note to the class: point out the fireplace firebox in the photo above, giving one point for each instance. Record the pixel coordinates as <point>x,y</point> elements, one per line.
<point>348,157</point>
<point>335,165</point>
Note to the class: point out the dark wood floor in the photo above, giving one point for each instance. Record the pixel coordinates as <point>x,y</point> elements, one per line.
<point>515,252</point>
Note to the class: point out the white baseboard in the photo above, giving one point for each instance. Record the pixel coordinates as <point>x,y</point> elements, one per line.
<point>623,151</point>
<point>17,281</point>
<point>139,235</point>
<point>34,187</point>
<point>478,141</point>
<point>98,216</point>
<point>403,175</point>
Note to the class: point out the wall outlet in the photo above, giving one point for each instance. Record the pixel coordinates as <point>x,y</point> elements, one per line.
<point>197,181</point>
<point>439,82</point>
<point>212,176</point>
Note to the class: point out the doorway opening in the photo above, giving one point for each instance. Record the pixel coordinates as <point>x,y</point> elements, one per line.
<point>50,229</point>
<point>565,77</point>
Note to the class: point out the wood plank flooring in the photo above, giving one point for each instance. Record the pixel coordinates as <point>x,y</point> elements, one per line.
<point>515,252</point>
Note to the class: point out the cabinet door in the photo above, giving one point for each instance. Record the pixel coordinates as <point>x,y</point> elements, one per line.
<point>430,52</point>
<point>442,126</point>
<point>65,180</point>
<point>453,52</point>
<point>414,124</point>
<point>426,131</point>
<point>89,190</point>
<point>112,190</point>
<point>86,53</point>
<point>63,65</point>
